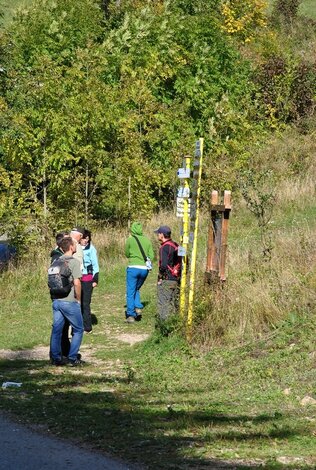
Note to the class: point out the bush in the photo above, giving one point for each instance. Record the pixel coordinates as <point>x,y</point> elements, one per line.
<point>286,9</point>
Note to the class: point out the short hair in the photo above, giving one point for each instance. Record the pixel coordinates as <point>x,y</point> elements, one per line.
<point>60,235</point>
<point>66,243</point>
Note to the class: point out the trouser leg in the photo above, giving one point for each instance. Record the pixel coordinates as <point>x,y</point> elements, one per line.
<point>65,343</point>
<point>140,281</point>
<point>57,328</point>
<point>131,284</point>
<point>86,295</point>
<point>167,292</point>
<point>72,311</point>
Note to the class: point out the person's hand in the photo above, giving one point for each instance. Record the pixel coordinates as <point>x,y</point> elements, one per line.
<point>94,284</point>
<point>159,282</point>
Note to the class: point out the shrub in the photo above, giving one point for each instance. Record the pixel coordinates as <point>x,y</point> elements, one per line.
<point>287,9</point>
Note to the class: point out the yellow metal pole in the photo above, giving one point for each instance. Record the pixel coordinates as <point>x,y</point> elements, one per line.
<point>185,240</point>
<point>197,175</point>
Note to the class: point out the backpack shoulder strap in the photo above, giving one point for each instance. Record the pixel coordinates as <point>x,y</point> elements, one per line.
<point>140,247</point>
<point>171,243</point>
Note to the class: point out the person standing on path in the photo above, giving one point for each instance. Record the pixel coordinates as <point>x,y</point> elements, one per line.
<point>138,249</point>
<point>55,254</point>
<point>77,233</point>
<point>90,278</point>
<point>168,275</point>
<point>68,307</point>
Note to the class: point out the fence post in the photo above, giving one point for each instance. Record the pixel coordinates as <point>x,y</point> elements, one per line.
<point>217,238</point>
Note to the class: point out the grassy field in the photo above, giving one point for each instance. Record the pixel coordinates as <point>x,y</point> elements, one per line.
<point>158,401</point>
<point>308,8</point>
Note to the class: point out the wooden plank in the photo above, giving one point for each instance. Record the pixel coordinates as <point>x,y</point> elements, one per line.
<point>217,224</point>
<point>214,198</point>
<point>227,199</point>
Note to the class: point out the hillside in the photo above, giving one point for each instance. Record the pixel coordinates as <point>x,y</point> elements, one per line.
<point>92,113</point>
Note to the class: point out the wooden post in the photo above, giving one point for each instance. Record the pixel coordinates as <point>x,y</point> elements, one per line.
<point>211,237</point>
<point>224,235</point>
<point>217,238</point>
<point>197,176</point>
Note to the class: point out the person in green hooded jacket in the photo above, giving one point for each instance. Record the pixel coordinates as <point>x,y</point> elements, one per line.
<point>139,251</point>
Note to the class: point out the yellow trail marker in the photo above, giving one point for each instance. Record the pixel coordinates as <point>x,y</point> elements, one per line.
<point>197,175</point>
<point>185,240</point>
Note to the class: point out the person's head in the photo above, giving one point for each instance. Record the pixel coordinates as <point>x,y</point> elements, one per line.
<point>86,237</point>
<point>60,236</point>
<point>77,233</point>
<point>136,228</point>
<point>163,233</point>
<point>67,245</point>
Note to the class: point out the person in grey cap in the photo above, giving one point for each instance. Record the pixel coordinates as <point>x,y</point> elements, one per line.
<point>169,273</point>
<point>77,234</point>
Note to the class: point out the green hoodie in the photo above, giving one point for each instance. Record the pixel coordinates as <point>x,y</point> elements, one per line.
<point>132,251</point>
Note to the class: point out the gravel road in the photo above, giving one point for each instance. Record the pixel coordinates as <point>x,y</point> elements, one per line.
<point>25,449</point>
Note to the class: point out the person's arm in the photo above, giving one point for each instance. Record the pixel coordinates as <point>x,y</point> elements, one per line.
<point>95,266</point>
<point>164,260</point>
<point>77,287</point>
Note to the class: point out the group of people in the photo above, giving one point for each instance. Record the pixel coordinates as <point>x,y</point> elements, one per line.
<point>76,251</point>
<point>72,309</point>
<point>139,251</point>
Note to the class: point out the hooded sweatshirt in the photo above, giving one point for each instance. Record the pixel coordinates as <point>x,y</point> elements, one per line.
<point>132,250</point>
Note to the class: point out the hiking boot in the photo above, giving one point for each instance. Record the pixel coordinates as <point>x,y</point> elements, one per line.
<point>75,363</point>
<point>130,319</point>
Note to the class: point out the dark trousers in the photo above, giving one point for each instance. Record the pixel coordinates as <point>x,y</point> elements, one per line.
<point>86,295</point>
<point>65,343</point>
<point>168,293</point>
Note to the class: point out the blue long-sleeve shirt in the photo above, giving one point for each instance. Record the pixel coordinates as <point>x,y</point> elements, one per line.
<point>90,262</point>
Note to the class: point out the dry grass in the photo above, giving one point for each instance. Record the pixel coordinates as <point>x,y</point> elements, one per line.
<point>259,294</point>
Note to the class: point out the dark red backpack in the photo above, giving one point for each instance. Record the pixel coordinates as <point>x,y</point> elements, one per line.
<point>175,270</point>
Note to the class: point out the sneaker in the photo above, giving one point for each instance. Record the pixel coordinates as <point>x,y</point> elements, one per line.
<point>75,363</point>
<point>130,319</point>
<point>58,362</point>
<point>139,311</point>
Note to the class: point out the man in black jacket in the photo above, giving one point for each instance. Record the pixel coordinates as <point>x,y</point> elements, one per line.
<point>169,273</point>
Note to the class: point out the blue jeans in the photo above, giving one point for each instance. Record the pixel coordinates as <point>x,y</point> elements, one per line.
<point>135,278</point>
<point>72,312</point>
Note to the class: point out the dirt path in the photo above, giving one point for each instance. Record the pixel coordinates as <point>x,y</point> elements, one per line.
<point>32,448</point>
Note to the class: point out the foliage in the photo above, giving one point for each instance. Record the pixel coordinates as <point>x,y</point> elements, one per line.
<point>287,9</point>
<point>93,102</point>
<point>242,18</point>
<point>258,190</point>
<point>287,88</point>
<point>94,96</point>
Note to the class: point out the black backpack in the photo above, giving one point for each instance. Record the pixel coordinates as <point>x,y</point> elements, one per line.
<point>60,279</point>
